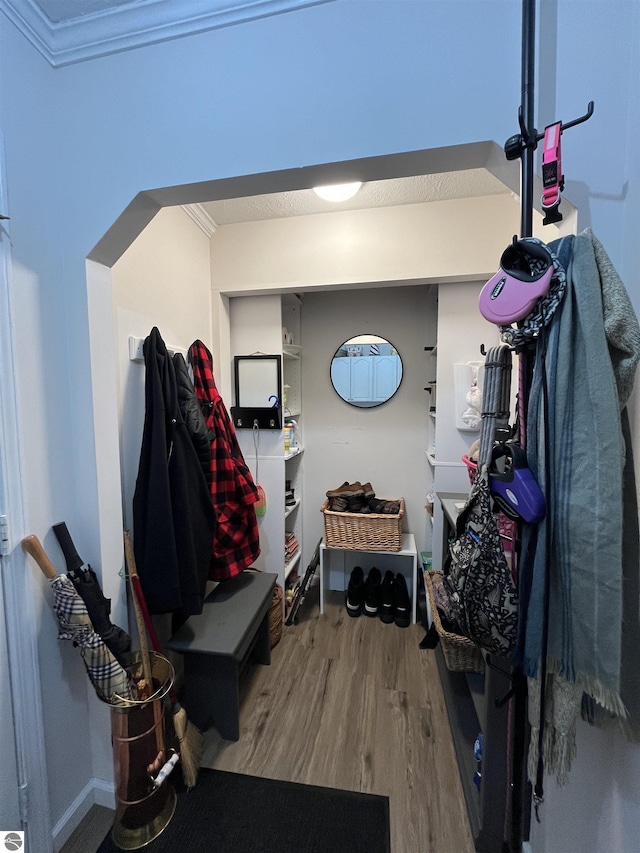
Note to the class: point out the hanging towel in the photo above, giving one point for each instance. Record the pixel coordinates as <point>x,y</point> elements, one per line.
<point>588,357</point>
<point>236,544</point>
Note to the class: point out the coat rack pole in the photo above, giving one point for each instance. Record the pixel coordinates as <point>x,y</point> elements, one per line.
<point>527,116</point>
<point>520,792</point>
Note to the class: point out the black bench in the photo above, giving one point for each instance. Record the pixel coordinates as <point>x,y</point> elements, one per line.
<point>232,629</point>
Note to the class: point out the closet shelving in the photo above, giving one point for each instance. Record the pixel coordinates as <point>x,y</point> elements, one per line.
<point>292,513</point>
<point>292,564</point>
<point>431,388</point>
<point>291,508</point>
<point>270,324</point>
<point>293,468</point>
<point>291,355</point>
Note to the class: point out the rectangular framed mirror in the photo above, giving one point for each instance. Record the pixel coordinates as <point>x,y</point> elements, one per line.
<point>258,391</point>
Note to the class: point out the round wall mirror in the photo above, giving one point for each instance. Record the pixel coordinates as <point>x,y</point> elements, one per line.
<point>366,371</point>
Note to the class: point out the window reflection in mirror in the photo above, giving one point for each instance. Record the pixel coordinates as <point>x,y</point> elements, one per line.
<point>366,371</point>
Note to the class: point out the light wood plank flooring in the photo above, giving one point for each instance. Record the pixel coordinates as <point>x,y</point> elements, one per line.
<point>354,704</point>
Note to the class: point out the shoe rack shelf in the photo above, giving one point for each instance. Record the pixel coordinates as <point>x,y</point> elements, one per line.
<point>336,565</point>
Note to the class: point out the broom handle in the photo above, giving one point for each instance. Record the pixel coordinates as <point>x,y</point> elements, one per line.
<point>137,589</point>
<point>148,621</point>
<point>144,647</point>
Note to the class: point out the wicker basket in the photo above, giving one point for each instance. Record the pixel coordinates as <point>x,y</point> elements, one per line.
<point>460,653</point>
<point>275,616</point>
<point>355,531</point>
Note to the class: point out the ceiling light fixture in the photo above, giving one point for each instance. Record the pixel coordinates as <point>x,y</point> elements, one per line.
<point>338,192</point>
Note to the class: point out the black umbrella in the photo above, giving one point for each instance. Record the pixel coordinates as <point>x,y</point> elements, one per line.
<point>88,587</point>
<point>110,680</point>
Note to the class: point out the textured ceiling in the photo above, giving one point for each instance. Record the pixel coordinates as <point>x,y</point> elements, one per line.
<point>424,188</point>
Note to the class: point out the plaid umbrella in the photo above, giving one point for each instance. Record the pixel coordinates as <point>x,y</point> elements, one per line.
<point>87,585</point>
<point>110,680</point>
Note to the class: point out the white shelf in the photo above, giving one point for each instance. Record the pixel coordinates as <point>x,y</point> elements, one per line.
<point>291,351</point>
<point>295,451</point>
<point>336,565</point>
<point>289,509</point>
<point>432,415</point>
<point>431,458</point>
<point>293,562</point>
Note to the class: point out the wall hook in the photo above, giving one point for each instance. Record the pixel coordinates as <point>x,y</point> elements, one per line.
<point>529,138</point>
<point>576,121</point>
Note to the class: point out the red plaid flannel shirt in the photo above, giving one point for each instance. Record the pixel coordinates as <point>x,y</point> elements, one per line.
<point>236,544</point>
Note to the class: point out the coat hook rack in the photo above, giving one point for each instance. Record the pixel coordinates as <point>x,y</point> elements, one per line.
<point>515,145</point>
<point>523,145</point>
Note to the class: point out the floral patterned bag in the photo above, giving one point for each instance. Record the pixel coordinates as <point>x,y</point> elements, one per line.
<point>482,593</point>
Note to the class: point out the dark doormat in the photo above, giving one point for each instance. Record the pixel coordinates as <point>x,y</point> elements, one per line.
<point>234,813</point>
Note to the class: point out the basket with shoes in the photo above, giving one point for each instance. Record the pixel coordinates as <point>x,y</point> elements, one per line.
<point>355,519</point>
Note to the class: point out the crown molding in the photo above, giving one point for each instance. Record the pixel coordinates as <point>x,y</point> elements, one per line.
<point>134,25</point>
<point>199,215</point>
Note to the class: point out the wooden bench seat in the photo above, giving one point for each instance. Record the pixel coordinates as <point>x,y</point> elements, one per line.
<point>232,629</point>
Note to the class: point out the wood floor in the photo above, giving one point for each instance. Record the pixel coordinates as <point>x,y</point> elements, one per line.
<point>354,704</point>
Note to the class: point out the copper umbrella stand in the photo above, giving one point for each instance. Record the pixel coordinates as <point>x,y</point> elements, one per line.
<point>145,802</point>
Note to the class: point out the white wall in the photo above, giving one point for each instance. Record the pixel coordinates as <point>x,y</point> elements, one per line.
<point>598,810</point>
<point>384,445</point>
<point>163,280</point>
<point>278,93</point>
<point>461,332</point>
<point>415,242</point>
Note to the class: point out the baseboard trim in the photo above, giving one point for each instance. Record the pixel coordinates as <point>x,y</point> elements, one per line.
<point>95,792</point>
<point>104,794</point>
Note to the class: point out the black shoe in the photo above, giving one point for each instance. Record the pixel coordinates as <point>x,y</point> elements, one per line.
<point>356,503</point>
<point>372,592</point>
<point>430,639</point>
<point>382,507</point>
<point>387,597</point>
<point>403,603</point>
<point>355,592</point>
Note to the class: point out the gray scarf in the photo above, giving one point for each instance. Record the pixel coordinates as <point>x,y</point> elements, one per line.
<point>587,391</point>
